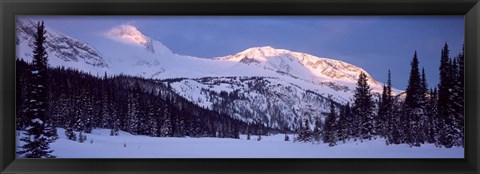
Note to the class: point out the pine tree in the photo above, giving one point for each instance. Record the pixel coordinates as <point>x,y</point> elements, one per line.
<point>329,129</point>
<point>89,112</point>
<point>166,130</point>
<point>425,118</point>
<point>78,110</point>
<point>391,119</point>
<point>459,100</point>
<point>305,134</point>
<point>23,76</point>
<point>424,88</point>
<point>133,113</point>
<point>317,133</point>
<point>432,112</point>
<point>445,106</point>
<point>363,109</point>
<point>413,106</point>
<point>396,123</point>
<point>456,101</point>
<point>70,134</point>
<point>344,123</point>
<point>37,137</point>
<point>382,112</point>
<point>153,118</point>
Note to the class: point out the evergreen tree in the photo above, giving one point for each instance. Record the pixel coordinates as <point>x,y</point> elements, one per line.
<point>317,133</point>
<point>382,112</point>
<point>413,106</point>
<point>78,110</point>
<point>133,113</point>
<point>391,119</point>
<point>89,112</point>
<point>305,134</point>
<point>425,118</point>
<point>363,109</point>
<point>37,137</point>
<point>397,126</point>
<point>70,134</point>
<point>329,129</point>
<point>166,129</point>
<point>424,88</point>
<point>343,125</point>
<point>23,76</point>
<point>456,101</point>
<point>432,112</point>
<point>153,116</point>
<point>445,106</point>
<point>460,99</point>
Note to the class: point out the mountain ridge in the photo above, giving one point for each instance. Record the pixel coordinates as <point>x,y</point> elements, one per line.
<point>278,87</point>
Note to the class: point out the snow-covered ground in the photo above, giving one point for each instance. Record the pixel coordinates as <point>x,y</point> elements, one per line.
<point>100,144</point>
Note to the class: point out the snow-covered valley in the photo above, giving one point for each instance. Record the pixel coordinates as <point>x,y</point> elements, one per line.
<point>100,144</point>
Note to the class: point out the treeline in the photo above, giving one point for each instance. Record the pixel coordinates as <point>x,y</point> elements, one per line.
<point>78,101</point>
<point>420,115</point>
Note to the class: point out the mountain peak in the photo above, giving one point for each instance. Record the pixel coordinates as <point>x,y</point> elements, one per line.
<point>258,53</point>
<point>128,33</point>
<point>264,51</point>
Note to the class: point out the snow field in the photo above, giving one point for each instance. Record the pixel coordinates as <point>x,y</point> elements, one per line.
<point>274,146</point>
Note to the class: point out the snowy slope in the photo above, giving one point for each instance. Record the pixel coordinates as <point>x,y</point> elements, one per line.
<point>62,50</point>
<point>100,145</point>
<point>301,65</point>
<point>269,100</point>
<point>285,86</point>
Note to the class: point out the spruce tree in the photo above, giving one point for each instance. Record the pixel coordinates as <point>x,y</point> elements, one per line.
<point>425,118</point>
<point>70,134</point>
<point>317,133</point>
<point>413,107</point>
<point>460,99</point>
<point>456,101</point>
<point>397,126</point>
<point>23,75</point>
<point>133,110</point>
<point>166,130</point>
<point>445,106</point>
<point>343,124</point>
<point>329,128</point>
<point>37,138</point>
<point>432,112</point>
<point>305,134</point>
<point>363,109</point>
<point>389,114</point>
<point>382,112</point>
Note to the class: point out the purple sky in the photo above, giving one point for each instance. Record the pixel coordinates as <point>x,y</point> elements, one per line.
<point>375,43</point>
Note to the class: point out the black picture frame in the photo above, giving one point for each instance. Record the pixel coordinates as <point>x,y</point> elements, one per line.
<point>10,8</point>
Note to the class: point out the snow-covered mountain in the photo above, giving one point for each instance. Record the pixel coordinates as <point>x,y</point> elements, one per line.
<point>62,49</point>
<point>274,86</point>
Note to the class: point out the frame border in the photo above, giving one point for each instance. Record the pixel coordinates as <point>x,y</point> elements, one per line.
<point>10,8</point>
